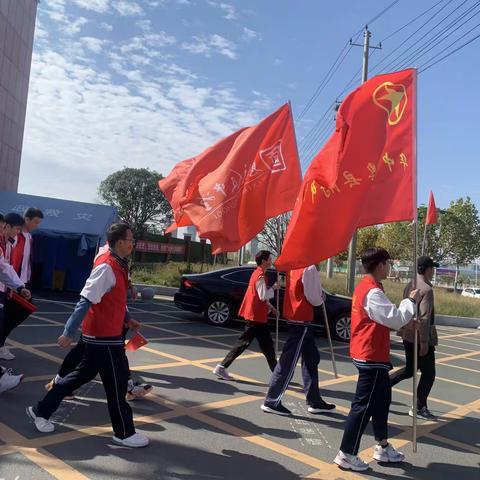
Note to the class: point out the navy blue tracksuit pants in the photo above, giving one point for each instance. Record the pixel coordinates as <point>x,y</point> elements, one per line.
<point>372,401</point>
<point>300,342</point>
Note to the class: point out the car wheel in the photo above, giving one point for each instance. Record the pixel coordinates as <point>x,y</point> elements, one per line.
<point>219,312</point>
<point>341,327</point>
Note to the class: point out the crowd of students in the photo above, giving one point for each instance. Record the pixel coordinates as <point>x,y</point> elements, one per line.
<point>102,316</point>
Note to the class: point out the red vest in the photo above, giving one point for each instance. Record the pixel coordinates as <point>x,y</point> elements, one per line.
<point>105,319</point>
<point>16,257</point>
<point>295,306</point>
<point>369,340</point>
<point>252,307</point>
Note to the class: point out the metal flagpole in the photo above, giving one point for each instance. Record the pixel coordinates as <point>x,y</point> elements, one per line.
<point>278,291</point>
<point>424,237</point>
<point>414,280</point>
<point>327,328</point>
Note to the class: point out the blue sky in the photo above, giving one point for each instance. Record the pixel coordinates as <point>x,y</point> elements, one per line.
<point>147,83</point>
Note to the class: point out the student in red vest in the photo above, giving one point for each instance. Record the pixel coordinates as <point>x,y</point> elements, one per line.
<point>254,309</point>
<point>102,311</point>
<point>373,317</point>
<point>10,226</point>
<point>303,292</point>
<point>73,358</point>
<point>19,253</point>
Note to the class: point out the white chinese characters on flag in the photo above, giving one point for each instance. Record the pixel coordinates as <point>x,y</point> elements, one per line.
<point>255,177</point>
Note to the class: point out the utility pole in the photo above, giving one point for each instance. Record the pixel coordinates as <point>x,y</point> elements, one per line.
<point>352,247</point>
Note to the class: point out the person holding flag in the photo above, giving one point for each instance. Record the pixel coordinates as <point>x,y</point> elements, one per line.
<point>373,317</point>
<point>428,339</point>
<point>303,292</point>
<point>254,309</point>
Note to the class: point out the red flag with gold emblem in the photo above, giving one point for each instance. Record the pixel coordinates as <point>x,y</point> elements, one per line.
<point>363,176</point>
<point>432,217</point>
<point>232,188</point>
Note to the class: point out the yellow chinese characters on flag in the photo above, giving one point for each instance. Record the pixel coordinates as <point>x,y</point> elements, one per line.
<point>364,175</point>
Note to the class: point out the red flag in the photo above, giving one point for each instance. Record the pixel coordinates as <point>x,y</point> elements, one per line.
<point>363,176</point>
<point>233,187</point>
<point>432,217</point>
<point>186,175</point>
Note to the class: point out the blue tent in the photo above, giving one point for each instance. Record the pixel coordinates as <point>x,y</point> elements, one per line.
<point>65,244</point>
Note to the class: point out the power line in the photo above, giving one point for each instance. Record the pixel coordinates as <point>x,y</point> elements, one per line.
<point>339,61</point>
<point>411,36</point>
<point>410,22</point>
<point>422,49</point>
<point>421,69</point>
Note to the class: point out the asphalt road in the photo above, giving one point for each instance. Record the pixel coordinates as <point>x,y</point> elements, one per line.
<point>203,428</point>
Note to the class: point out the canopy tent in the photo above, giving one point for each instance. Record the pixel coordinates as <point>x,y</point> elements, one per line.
<point>65,244</point>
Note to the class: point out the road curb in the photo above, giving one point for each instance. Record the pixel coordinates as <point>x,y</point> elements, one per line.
<point>449,321</point>
<point>444,320</point>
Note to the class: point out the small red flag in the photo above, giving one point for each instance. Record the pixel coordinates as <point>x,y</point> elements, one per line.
<point>232,188</point>
<point>363,176</point>
<point>432,216</point>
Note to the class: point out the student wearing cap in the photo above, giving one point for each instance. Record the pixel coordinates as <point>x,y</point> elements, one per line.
<point>428,338</point>
<point>373,317</point>
<point>303,292</point>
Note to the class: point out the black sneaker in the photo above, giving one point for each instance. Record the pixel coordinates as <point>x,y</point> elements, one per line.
<point>321,407</point>
<point>424,413</point>
<point>277,409</point>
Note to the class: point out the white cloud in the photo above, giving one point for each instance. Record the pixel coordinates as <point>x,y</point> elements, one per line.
<point>249,34</point>
<point>127,7</point>
<point>99,6</point>
<point>277,62</point>
<point>228,9</point>
<point>93,44</point>
<point>206,45</point>
<point>137,108</point>
<point>106,26</point>
<point>73,27</point>
<point>145,25</point>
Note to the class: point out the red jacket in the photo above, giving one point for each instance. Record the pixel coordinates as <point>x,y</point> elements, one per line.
<point>369,340</point>
<point>295,306</point>
<point>252,307</point>
<point>106,319</point>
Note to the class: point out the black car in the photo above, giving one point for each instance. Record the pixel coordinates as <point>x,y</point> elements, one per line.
<point>218,296</point>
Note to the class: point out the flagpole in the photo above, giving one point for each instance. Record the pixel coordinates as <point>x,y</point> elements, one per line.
<point>414,279</point>
<point>327,329</point>
<point>424,238</point>
<point>278,291</point>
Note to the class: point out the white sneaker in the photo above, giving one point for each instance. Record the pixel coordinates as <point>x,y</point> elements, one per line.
<point>387,454</point>
<point>9,381</point>
<point>221,372</point>
<point>137,440</point>
<point>5,354</point>
<point>350,462</point>
<point>41,424</point>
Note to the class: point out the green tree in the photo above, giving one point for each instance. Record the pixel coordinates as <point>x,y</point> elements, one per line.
<point>433,247</point>
<point>460,233</point>
<point>367,237</point>
<point>135,194</point>
<point>396,238</point>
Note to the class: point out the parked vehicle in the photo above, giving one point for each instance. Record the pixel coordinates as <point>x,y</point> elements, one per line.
<point>471,292</point>
<point>218,296</point>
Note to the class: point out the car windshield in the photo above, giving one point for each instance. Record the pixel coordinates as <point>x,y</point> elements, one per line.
<point>477,291</point>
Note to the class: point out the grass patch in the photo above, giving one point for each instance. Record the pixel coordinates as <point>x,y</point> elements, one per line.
<point>446,302</point>
<point>168,274</point>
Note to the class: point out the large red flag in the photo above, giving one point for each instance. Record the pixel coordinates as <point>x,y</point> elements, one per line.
<point>232,188</point>
<point>363,176</point>
<point>432,217</point>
